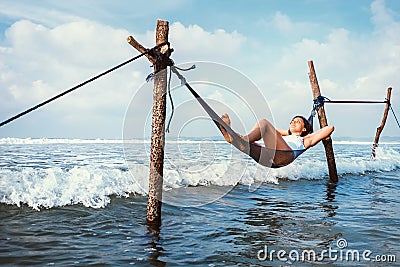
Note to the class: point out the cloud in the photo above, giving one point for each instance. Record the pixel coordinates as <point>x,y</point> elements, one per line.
<point>382,17</point>
<point>38,62</point>
<point>284,24</point>
<point>349,65</point>
<point>195,43</point>
<point>56,58</point>
<point>38,12</point>
<point>40,58</point>
<point>54,13</point>
<point>359,63</point>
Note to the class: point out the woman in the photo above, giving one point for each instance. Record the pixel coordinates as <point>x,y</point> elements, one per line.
<point>298,138</point>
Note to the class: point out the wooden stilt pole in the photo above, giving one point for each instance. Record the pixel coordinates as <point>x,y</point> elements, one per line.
<point>380,128</point>
<point>157,133</point>
<point>160,60</point>
<point>330,156</point>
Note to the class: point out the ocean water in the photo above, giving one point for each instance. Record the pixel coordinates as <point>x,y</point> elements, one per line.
<point>70,202</point>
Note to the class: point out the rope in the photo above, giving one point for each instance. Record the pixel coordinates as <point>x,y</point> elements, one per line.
<point>171,100</point>
<point>356,102</point>
<point>394,115</point>
<point>317,103</point>
<point>169,92</point>
<point>80,85</point>
<point>321,100</point>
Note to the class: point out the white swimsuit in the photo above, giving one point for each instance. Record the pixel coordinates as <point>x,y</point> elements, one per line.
<point>294,142</point>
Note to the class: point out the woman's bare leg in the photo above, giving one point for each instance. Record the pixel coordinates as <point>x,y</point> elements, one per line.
<point>271,137</point>
<point>262,130</point>
<point>255,133</point>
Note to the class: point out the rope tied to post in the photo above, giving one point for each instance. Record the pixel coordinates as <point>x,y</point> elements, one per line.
<point>318,103</point>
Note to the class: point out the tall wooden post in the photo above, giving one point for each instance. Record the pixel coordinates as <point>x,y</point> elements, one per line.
<point>330,156</point>
<point>160,60</point>
<point>157,131</point>
<point>380,128</point>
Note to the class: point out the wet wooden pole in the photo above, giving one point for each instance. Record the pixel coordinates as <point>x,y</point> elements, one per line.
<point>380,128</point>
<point>330,156</point>
<point>160,60</point>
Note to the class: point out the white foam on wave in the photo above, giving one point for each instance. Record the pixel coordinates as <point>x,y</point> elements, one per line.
<point>228,173</point>
<point>364,143</point>
<point>316,168</point>
<point>386,160</point>
<point>310,169</point>
<point>55,187</point>
<point>224,173</point>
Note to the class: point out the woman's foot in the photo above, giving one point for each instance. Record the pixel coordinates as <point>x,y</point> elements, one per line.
<point>227,120</point>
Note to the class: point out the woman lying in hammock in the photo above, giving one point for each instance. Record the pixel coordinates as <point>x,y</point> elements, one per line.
<point>296,140</point>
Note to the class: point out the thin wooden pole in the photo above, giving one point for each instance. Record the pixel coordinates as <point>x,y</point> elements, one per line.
<point>157,133</point>
<point>160,60</point>
<point>330,156</point>
<point>380,128</point>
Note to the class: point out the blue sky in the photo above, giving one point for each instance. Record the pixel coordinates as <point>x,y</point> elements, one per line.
<point>49,46</point>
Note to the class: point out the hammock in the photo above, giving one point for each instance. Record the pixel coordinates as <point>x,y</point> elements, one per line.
<point>267,157</point>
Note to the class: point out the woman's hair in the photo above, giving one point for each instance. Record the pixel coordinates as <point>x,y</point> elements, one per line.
<point>307,125</point>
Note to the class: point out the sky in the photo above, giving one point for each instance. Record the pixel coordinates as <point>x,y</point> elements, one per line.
<point>48,46</point>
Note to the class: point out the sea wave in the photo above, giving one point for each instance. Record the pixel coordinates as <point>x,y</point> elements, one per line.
<point>55,187</point>
<point>38,141</point>
<point>364,143</point>
<point>92,185</point>
<point>310,168</point>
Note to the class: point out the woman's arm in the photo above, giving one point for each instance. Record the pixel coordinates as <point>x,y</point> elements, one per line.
<point>313,138</point>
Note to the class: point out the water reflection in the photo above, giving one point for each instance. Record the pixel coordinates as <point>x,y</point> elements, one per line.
<point>154,248</point>
<point>288,219</point>
<point>329,206</point>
